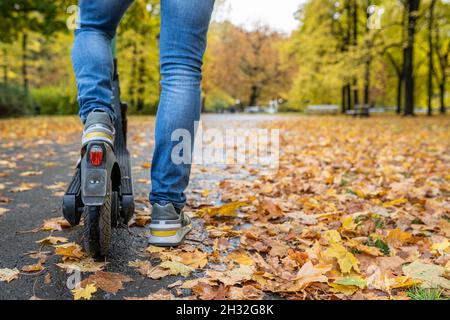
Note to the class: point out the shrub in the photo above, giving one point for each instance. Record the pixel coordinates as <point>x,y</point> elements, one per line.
<point>55,100</point>
<point>217,101</point>
<point>14,101</point>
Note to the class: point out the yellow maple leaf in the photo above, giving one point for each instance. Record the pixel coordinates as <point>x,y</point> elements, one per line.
<point>347,290</point>
<point>241,257</point>
<point>404,282</point>
<point>346,260</point>
<point>84,293</point>
<point>395,202</point>
<point>348,224</point>
<point>227,210</point>
<point>177,268</point>
<point>397,237</point>
<point>440,247</point>
<point>332,236</point>
<point>155,249</point>
<point>52,240</point>
<point>70,251</point>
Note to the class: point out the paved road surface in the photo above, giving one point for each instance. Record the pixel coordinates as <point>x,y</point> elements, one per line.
<point>28,209</point>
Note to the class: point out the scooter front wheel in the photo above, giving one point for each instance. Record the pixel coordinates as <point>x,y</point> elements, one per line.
<point>97,228</point>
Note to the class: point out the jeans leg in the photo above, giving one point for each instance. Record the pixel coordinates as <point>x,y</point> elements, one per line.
<point>184,26</point>
<point>91,53</point>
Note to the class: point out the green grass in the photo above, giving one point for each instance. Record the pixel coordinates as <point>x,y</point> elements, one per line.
<point>380,245</point>
<point>417,293</point>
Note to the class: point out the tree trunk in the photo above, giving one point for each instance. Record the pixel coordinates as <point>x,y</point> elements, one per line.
<point>5,66</point>
<point>355,93</point>
<point>254,96</point>
<point>355,43</point>
<point>408,57</point>
<point>442,108</point>
<point>430,56</point>
<point>131,88</point>
<point>399,93</point>
<point>24,62</point>
<point>368,61</point>
<point>141,84</point>
<point>349,98</point>
<point>344,100</point>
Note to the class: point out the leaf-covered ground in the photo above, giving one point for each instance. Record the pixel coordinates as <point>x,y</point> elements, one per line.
<point>359,209</point>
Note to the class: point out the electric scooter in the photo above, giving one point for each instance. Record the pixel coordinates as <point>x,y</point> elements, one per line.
<point>101,189</point>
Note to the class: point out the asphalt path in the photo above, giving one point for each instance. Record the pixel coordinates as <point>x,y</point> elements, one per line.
<point>28,209</point>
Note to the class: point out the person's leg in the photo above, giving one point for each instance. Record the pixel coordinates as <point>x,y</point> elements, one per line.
<point>184,25</point>
<point>91,53</point>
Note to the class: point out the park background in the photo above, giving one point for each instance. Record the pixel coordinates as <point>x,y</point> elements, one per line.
<point>350,53</point>
<point>358,208</point>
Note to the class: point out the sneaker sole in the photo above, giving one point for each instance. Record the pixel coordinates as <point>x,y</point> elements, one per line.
<point>161,240</point>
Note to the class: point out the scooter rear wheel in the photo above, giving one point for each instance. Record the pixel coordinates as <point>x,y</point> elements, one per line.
<point>97,227</point>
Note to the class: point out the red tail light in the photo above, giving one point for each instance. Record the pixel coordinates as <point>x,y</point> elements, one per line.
<point>96,155</point>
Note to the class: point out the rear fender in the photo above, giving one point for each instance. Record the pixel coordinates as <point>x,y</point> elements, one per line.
<point>95,179</point>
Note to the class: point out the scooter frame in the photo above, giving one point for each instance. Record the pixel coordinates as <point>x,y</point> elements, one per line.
<point>117,169</point>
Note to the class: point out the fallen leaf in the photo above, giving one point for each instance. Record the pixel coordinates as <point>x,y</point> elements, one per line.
<point>441,247</point>
<point>332,236</point>
<point>232,277</point>
<point>205,291</point>
<point>9,275</point>
<point>397,237</point>
<point>404,282</point>
<point>30,173</point>
<point>84,293</point>
<point>155,249</point>
<point>227,210</point>
<point>195,259</point>
<point>24,186</point>
<point>246,292</point>
<point>346,260</point>
<point>347,290</point>
<point>240,257</point>
<point>107,281</point>
<point>431,275</point>
<point>69,251</point>
<point>55,224</point>
<point>307,275</point>
<point>33,267</point>
<point>84,265</point>
<point>356,281</point>
<point>52,240</point>
<point>3,211</point>
<point>177,268</point>
<point>395,202</point>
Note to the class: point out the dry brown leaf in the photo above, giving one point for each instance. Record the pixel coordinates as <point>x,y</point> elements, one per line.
<point>107,281</point>
<point>33,267</point>
<point>70,251</point>
<point>52,240</point>
<point>9,275</point>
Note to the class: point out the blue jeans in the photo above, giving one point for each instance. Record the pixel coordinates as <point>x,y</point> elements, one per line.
<point>184,25</point>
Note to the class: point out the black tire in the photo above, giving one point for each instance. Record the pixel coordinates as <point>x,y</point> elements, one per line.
<point>115,209</point>
<point>97,227</point>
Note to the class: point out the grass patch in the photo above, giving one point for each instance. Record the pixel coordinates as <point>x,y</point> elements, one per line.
<point>417,293</point>
<point>380,245</point>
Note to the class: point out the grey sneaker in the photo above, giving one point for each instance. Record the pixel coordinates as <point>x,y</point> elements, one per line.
<point>168,227</point>
<point>98,127</point>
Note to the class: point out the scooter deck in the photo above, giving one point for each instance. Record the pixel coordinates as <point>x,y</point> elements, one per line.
<point>72,203</point>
